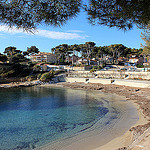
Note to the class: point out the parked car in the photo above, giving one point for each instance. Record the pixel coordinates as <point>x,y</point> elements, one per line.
<point>105,68</point>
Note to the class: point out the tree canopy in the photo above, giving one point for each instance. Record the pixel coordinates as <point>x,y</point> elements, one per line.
<point>3,58</point>
<point>122,14</point>
<point>27,14</point>
<point>15,56</point>
<point>146,37</point>
<point>90,50</point>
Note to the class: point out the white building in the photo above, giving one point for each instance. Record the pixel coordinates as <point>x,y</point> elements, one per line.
<point>43,57</point>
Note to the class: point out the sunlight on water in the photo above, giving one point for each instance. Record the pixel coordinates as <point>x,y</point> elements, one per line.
<point>31,117</point>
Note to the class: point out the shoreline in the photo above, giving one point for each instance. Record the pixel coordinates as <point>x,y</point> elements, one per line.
<point>140,97</point>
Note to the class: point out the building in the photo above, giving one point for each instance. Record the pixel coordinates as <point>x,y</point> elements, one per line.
<point>136,60</point>
<point>43,57</point>
<point>82,61</point>
<point>72,59</point>
<point>47,67</point>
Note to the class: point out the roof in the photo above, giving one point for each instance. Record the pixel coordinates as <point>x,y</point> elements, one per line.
<point>134,58</point>
<point>42,53</point>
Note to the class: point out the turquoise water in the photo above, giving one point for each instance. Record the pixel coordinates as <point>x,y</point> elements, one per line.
<point>32,117</point>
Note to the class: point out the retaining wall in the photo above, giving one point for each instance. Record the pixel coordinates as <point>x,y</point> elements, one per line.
<point>132,83</point>
<point>111,75</point>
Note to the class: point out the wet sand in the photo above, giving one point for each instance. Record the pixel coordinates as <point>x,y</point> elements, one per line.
<point>134,138</point>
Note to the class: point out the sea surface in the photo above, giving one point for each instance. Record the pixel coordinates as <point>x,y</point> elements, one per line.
<point>37,116</point>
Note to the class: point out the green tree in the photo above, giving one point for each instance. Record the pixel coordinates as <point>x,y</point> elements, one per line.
<point>27,14</point>
<point>11,52</point>
<point>3,58</point>
<point>47,76</point>
<point>118,50</point>
<point>61,51</point>
<point>31,50</point>
<point>146,37</point>
<point>17,58</point>
<point>122,14</point>
<point>87,49</point>
<point>14,55</point>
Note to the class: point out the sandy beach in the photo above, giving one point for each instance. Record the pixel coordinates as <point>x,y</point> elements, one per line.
<point>138,137</point>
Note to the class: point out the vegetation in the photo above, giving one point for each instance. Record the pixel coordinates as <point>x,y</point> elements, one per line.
<point>18,64</point>
<point>3,58</point>
<point>122,14</point>
<point>140,66</point>
<point>146,37</point>
<point>14,70</point>
<point>90,50</point>
<point>47,76</point>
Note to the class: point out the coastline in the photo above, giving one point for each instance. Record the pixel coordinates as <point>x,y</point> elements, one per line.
<point>140,97</point>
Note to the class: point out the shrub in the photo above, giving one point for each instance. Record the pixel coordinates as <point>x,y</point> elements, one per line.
<point>92,70</point>
<point>47,76</point>
<point>39,75</point>
<point>97,67</point>
<point>140,66</point>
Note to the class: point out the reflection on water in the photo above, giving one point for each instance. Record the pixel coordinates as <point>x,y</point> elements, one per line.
<point>34,116</point>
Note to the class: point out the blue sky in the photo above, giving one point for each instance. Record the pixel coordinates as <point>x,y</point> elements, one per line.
<point>75,31</point>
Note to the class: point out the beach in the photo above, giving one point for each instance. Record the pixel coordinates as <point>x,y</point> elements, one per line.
<point>138,136</point>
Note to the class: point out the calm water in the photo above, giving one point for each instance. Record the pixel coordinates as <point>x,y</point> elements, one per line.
<point>32,117</point>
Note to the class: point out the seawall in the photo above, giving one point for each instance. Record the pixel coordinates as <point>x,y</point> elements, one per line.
<point>131,83</point>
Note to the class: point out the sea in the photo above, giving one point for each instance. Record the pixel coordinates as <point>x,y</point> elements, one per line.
<point>40,117</point>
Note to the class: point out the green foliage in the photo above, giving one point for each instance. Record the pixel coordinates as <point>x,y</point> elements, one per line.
<point>31,50</point>
<point>122,14</point>
<point>36,68</point>
<point>8,74</point>
<point>14,70</point>
<point>140,66</point>
<point>47,76</point>
<point>62,52</point>
<point>97,67</point>
<point>146,37</point>
<point>92,70</point>
<point>39,75</point>
<point>17,58</point>
<point>28,14</point>
<point>3,58</point>
<point>14,55</point>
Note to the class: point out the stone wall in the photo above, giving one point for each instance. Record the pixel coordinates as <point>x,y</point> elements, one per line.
<point>132,83</point>
<point>111,75</point>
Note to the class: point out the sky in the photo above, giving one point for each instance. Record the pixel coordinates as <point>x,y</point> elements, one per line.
<point>75,31</point>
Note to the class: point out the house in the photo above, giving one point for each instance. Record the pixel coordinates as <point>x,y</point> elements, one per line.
<point>73,59</point>
<point>43,57</point>
<point>47,67</point>
<point>133,60</point>
<point>83,61</point>
<point>136,60</point>
<point>94,62</point>
<point>122,60</point>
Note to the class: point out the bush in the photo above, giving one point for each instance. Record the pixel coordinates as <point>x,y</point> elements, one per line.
<point>140,66</point>
<point>47,76</point>
<point>97,67</point>
<point>8,74</point>
<point>92,70</point>
<point>39,75</point>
